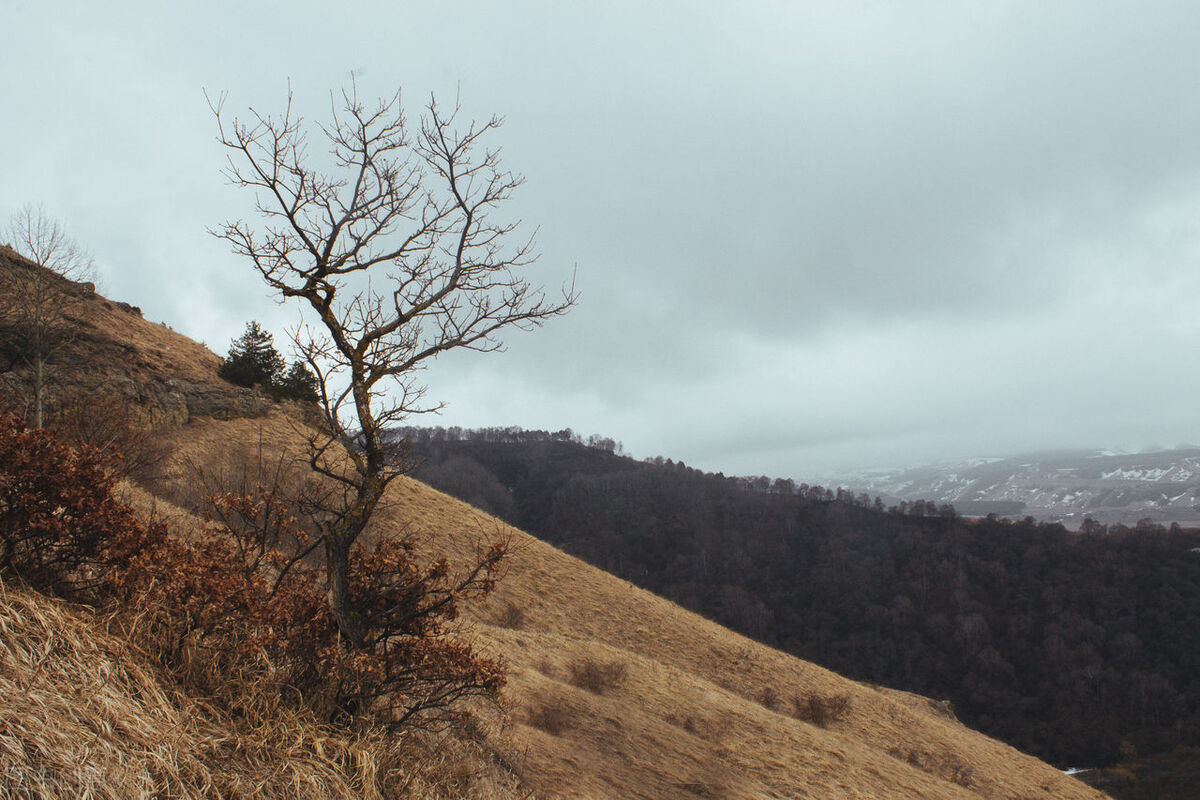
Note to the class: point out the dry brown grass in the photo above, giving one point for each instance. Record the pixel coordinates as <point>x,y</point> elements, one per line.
<point>686,720</point>
<point>552,717</point>
<point>597,676</point>
<point>821,710</point>
<point>118,356</point>
<point>83,713</point>
<point>511,616</point>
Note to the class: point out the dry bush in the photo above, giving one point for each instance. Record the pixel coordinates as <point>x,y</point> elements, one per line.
<point>820,710</point>
<point>768,699</point>
<point>83,716</point>
<point>87,714</point>
<point>949,767</point>
<point>407,666</point>
<point>962,774</point>
<point>595,676</point>
<point>512,617</point>
<point>246,636</point>
<point>60,526</point>
<point>553,718</point>
<point>248,597</point>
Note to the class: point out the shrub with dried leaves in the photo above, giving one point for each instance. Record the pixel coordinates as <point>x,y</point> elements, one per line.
<point>245,594</point>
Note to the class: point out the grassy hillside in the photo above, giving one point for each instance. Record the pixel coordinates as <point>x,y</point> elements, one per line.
<point>84,715</point>
<point>691,714</point>
<point>613,692</point>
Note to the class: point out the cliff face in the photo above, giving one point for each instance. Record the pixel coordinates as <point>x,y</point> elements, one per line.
<point>117,357</point>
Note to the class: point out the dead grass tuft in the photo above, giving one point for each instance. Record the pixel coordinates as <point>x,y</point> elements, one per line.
<point>553,718</point>
<point>820,710</point>
<point>768,698</point>
<point>595,676</point>
<point>512,617</point>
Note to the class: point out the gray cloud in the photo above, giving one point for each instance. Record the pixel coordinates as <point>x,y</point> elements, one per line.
<point>807,235</point>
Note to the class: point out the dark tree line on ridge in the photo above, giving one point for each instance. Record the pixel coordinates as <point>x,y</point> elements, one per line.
<point>1079,648</point>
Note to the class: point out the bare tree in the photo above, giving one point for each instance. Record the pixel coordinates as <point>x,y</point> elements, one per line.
<point>399,252</point>
<point>40,315</point>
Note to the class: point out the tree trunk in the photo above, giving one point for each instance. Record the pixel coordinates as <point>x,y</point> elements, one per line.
<point>39,389</point>
<point>337,577</point>
<point>338,542</point>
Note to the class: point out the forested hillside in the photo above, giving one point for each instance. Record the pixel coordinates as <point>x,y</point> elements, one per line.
<point>1080,648</point>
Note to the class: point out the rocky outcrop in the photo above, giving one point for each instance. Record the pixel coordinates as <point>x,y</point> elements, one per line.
<point>117,359</point>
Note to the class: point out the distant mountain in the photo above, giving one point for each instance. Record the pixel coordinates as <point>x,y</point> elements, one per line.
<point>1109,487</point>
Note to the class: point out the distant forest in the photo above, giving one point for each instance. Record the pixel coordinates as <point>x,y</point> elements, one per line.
<point>1080,648</point>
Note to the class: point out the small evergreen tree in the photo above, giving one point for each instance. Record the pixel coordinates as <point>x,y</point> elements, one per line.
<point>298,383</point>
<point>253,359</point>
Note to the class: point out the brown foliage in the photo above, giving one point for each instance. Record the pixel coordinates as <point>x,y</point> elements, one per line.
<point>60,526</point>
<point>962,774</point>
<point>512,617</point>
<point>407,669</point>
<point>554,718</point>
<point>244,595</point>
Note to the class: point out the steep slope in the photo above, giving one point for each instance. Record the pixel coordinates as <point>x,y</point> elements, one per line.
<point>85,713</point>
<point>688,719</point>
<point>689,709</point>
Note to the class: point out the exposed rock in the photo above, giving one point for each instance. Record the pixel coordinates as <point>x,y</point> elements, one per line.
<point>161,377</point>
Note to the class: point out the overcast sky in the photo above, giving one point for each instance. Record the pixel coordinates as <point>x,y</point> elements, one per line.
<point>808,236</point>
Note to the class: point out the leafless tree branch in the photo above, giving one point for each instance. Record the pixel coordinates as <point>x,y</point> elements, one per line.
<point>410,209</point>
